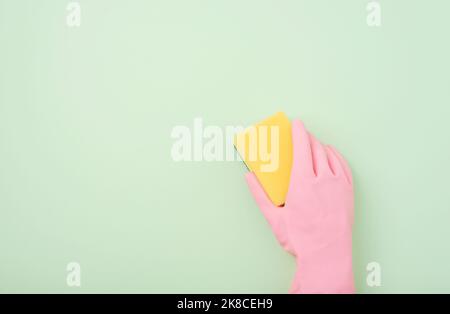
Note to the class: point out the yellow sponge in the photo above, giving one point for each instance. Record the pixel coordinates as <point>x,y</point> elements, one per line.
<point>266,149</point>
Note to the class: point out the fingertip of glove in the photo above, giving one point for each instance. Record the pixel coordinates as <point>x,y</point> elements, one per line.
<point>250,177</point>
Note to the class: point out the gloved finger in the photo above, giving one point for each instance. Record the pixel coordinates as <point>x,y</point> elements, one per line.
<point>333,161</point>
<point>302,165</point>
<point>344,165</point>
<point>347,174</point>
<point>264,203</point>
<point>320,161</point>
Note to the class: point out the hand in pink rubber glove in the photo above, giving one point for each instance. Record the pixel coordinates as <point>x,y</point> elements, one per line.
<point>315,225</point>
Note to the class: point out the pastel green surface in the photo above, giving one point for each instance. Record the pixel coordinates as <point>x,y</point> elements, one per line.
<point>86,113</point>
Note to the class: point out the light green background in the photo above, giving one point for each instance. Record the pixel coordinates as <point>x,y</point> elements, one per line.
<point>86,113</point>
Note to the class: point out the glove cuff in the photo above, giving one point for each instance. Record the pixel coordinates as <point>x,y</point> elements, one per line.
<point>326,270</point>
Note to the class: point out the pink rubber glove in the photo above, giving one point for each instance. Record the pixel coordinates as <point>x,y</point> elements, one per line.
<point>315,225</point>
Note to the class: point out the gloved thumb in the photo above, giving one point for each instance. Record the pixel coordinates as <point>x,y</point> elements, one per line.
<point>272,213</point>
